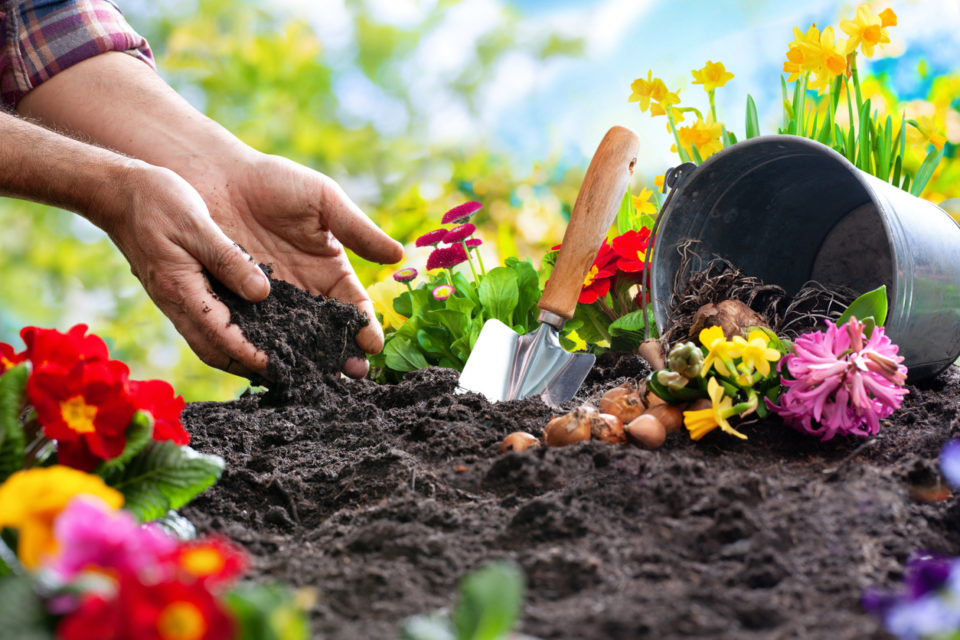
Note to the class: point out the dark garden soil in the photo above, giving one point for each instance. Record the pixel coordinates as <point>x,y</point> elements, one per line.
<point>382,496</point>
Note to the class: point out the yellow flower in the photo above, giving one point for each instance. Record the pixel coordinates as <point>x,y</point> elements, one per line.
<point>665,99</point>
<point>712,76</point>
<point>721,352</point>
<point>868,29</point>
<point>755,352</point>
<point>832,60</point>
<point>31,500</point>
<point>803,55</point>
<point>658,181</point>
<point>641,202</point>
<point>700,423</point>
<point>382,294</point>
<point>702,134</point>
<point>642,91</point>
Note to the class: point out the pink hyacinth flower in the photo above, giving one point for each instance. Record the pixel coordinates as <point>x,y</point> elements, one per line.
<point>842,381</point>
<point>431,238</point>
<point>446,257</point>
<point>461,212</point>
<point>91,535</point>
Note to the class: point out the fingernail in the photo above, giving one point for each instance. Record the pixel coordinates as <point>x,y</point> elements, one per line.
<point>255,287</point>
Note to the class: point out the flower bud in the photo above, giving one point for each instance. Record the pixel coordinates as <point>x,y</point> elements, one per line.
<point>686,359</point>
<point>671,379</point>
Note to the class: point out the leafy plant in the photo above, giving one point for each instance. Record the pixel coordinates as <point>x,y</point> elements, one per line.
<point>488,608</point>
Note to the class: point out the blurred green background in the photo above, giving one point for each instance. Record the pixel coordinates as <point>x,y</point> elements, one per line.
<point>416,105</point>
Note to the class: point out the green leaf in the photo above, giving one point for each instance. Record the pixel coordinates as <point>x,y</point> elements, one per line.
<point>625,213</point>
<point>138,436</point>
<point>906,182</point>
<point>490,602</point>
<point>164,476</point>
<point>499,294</point>
<point>925,172</point>
<point>633,321</point>
<point>528,284</point>
<point>897,167</point>
<point>403,355</point>
<point>863,139</point>
<point>267,612</point>
<point>753,123</point>
<point>456,322</point>
<point>13,386</point>
<point>872,304</point>
<point>403,304</point>
<point>465,288</point>
<point>695,154</point>
<point>22,611</point>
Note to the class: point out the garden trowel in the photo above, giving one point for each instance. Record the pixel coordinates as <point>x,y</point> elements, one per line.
<point>505,365</point>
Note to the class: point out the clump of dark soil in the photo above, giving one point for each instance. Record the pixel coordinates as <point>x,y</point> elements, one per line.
<point>306,337</point>
<point>383,496</point>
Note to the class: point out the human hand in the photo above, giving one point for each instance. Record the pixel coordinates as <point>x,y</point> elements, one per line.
<point>298,221</point>
<point>164,229</point>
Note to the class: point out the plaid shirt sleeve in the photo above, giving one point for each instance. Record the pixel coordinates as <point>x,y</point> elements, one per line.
<point>40,38</point>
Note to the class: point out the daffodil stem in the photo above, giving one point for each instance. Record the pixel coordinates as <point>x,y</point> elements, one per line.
<point>801,105</point>
<point>856,82</point>
<point>713,106</point>
<point>673,128</point>
<point>469,259</point>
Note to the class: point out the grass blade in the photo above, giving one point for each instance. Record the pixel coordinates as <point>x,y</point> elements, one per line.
<point>752,123</point>
<point>897,167</point>
<point>925,172</point>
<point>864,148</point>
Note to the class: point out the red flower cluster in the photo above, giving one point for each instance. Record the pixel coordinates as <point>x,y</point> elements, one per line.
<point>631,249</point>
<point>625,255</point>
<point>84,400</point>
<point>176,600</point>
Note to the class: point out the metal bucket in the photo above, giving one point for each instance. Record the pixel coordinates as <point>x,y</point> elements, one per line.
<point>788,209</point>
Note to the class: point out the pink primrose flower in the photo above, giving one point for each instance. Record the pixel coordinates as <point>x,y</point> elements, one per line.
<point>91,535</point>
<point>461,212</point>
<point>841,380</point>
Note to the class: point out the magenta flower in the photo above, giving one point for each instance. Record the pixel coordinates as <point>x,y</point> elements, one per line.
<point>91,535</point>
<point>442,292</point>
<point>461,212</point>
<point>406,275</point>
<point>840,380</point>
<point>473,243</point>
<point>431,238</point>
<point>459,233</point>
<point>446,257</point>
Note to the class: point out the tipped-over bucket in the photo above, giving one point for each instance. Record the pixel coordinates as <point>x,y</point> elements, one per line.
<point>788,209</point>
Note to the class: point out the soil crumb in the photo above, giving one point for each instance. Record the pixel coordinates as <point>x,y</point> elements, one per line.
<point>307,338</point>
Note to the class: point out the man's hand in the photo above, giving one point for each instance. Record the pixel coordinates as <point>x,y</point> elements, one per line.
<point>299,221</point>
<point>284,214</point>
<point>164,229</point>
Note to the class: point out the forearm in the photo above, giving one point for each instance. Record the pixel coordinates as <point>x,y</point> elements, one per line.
<point>121,103</point>
<point>41,165</point>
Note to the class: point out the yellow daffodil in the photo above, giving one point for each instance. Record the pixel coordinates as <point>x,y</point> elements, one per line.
<point>382,294</point>
<point>832,60</point>
<point>664,99</point>
<point>641,202</point>
<point>700,423</point>
<point>31,500</point>
<point>929,131</point>
<point>712,76</point>
<point>642,91</point>
<point>803,55</point>
<point>658,181</point>
<point>721,352</point>
<point>702,134</point>
<point>868,30</point>
<point>755,352</point>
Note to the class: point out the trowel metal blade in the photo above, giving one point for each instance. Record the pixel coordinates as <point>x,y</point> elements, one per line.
<point>505,365</point>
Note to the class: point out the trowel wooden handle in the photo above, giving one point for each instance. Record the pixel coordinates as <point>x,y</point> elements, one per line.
<point>595,210</point>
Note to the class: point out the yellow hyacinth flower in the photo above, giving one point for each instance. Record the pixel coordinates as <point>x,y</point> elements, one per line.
<point>721,351</point>
<point>700,423</point>
<point>712,76</point>
<point>868,30</point>
<point>31,500</point>
<point>755,352</point>
<point>641,202</point>
<point>702,134</point>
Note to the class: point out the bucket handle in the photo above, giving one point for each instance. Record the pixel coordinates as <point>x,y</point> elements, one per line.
<point>673,178</point>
